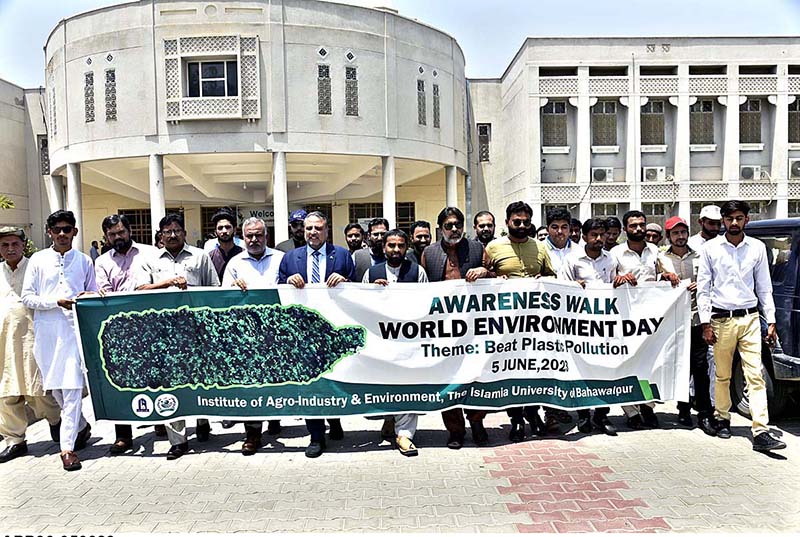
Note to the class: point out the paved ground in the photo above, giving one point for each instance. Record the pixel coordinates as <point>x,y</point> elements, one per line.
<point>649,481</point>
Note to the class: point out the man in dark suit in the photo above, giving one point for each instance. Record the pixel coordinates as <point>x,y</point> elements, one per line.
<point>373,255</point>
<point>317,262</point>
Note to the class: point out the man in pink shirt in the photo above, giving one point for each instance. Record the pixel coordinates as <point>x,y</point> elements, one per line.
<point>115,271</point>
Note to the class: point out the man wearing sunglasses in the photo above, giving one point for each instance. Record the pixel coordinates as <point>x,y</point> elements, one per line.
<point>297,233</point>
<point>55,277</point>
<point>455,257</point>
<point>519,255</point>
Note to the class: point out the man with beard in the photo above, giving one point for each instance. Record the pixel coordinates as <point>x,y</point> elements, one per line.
<point>255,268</point>
<point>518,255</point>
<point>115,271</point>
<point>373,254</point>
<point>297,237</point>
<point>457,258</point>
<point>483,224</point>
<point>575,227</point>
<point>354,237</point>
<point>710,224</point>
<point>20,379</point>
<point>224,227</point>
<point>614,231</point>
<point>733,280</point>
<point>684,262</point>
<point>55,277</point>
<point>653,234</point>
<point>637,261</point>
<point>178,265</point>
<point>398,269</point>
<point>589,266</point>
<point>420,239</point>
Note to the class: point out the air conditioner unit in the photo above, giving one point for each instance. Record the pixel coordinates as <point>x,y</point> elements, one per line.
<point>654,173</point>
<point>750,173</point>
<point>602,175</point>
<point>794,168</point>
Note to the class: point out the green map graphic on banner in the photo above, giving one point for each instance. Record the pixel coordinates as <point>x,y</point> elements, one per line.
<point>251,345</point>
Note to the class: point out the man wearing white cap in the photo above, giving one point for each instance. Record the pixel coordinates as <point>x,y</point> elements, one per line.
<point>710,223</point>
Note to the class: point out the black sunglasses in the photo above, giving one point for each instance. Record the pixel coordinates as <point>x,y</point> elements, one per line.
<point>57,230</point>
<point>449,226</point>
<point>518,222</point>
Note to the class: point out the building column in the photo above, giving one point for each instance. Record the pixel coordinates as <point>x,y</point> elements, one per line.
<point>158,203</point>
<point>730,157</point>
<point>389,191</point>
<point>74,199</point>
<point>468,197</point>
<point>779,166</point>
<point>633,147</point>
<point>534,126</point>
<point>54,187</point>
<point>280,196</point>
<point>683,102</point>
<point>451,186</point>
<point>583,135</point>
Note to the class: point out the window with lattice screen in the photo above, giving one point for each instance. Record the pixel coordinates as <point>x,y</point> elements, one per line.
<point>794,121</point>
<point>750,122</point>
<point>602,210</point>
<point>324,90</point>
<point>422,115</point>
<point>604,123</point>
<point>653,123</point>
<point>111,95</point>
<point>405,210</point>
<point>350,91</point>
<point>484,137</point>
<point>88,97</point>
<point>554,124</point>
<point>701,122</point>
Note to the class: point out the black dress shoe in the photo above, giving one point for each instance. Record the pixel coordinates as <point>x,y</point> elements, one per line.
<point>203,432</point>
<point>479,434</point>
<point>538,426</point>
<point>55,432</point>
<point>685,419</point>
<point>562,416</point>
<point>70,461</point>
<point>766,442</point>
<point>83,437</point>
<point>274,427</point>
<point>584,425</point>
<point>335,432</point>
<point>177,451</point>
<point>12,452</point>
<point>251,445</point>
<point>635,423</point>
<point>315,449</point>
<point>228,424</point>
<point>706,424</point>
<point>649,417</point>
<point>605,425</point>
<point>455,443</point>
<point>723,428</point>
<point>517,433</point>
<point>160,430</point>
<point>122,445</point>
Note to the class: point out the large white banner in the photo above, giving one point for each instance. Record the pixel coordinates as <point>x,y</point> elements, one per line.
<point>365,349</point>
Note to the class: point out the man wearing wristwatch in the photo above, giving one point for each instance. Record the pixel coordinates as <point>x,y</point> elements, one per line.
<point>733,281</point>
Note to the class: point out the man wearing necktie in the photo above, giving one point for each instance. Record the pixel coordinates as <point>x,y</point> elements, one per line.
<point>317,262</point>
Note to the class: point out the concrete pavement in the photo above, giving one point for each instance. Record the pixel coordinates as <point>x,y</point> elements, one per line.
<point>672,479</point>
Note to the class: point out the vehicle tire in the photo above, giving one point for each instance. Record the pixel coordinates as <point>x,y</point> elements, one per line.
<point>778,393</point>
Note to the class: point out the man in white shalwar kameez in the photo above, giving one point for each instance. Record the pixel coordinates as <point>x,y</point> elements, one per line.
<point>20,380</point>
<point>55,277</point>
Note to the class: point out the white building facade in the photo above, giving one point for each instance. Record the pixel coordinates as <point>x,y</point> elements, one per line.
<point>663,125</point>
<point>267,106</point>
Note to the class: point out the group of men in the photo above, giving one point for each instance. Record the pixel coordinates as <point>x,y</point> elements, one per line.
<point>41,363</point>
